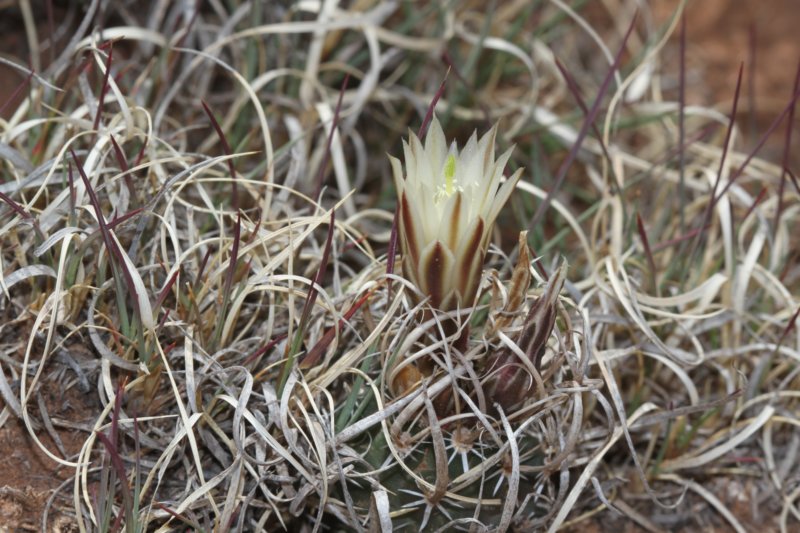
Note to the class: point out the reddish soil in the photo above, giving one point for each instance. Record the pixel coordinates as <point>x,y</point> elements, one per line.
<point>721,35</point>
<point>28,476</point>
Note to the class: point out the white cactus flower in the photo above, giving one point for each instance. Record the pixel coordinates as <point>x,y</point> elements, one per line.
<point>448,202</point>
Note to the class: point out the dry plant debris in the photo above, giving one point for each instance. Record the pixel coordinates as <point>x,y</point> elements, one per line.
<point>197,230</point>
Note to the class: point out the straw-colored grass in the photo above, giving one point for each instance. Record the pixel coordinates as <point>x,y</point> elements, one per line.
<point>203,201</point>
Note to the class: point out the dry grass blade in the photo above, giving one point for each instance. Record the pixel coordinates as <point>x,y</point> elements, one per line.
<point>588,121</point>
<point>103,88</point>
<point>648,253</point>
<point>227,149</point>
<point>323,167</point>
<point>513,478</point>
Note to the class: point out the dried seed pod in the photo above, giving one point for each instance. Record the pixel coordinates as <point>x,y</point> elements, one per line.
<point>509,380</point>
<point>520,282</point>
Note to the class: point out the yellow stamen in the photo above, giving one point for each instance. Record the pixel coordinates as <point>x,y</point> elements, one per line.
<point>449,172</point>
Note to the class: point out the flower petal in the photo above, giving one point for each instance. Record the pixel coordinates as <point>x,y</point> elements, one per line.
<point>397,172</point>
<point>470,150</point>
<point>435,272</point>
<point>435,145</point>
<point>469,252</point>
<point>410,221</point>
<point>486,147</point>
<point>469,272</point>
<point>418,164</point>
<point>471,239</point>
<point>487,196</point>
<point>450,223</point>
<point>503,195</point>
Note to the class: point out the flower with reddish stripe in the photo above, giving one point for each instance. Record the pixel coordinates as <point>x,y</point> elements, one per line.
<point>448,201</point>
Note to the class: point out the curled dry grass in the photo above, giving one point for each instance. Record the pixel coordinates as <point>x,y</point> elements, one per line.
<point>183,196</point>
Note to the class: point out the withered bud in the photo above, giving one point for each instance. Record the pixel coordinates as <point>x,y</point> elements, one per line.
<point>509,382</point>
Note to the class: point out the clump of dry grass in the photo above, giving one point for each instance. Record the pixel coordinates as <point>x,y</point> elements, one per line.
<point>202,198</point>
